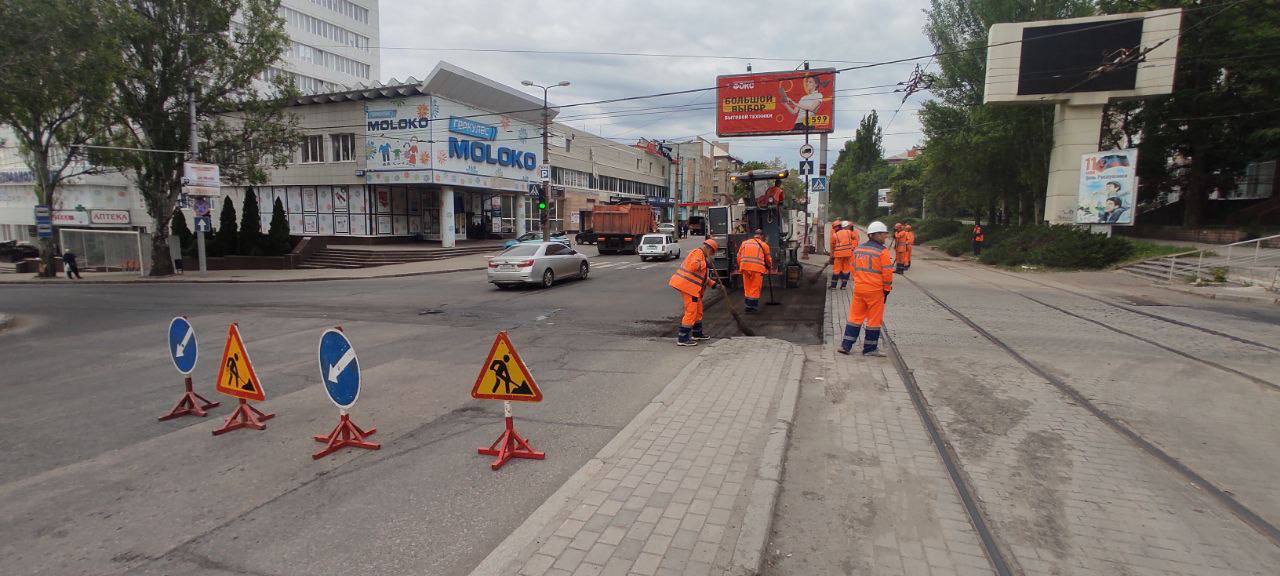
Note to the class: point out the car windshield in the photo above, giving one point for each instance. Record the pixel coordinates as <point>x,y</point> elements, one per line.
<point>521,250</point>
<point>651,240</point>
<point>527,236</point>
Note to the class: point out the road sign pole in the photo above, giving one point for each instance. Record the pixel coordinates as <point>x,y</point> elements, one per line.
<point>510,444</point>
<point>200,253</point>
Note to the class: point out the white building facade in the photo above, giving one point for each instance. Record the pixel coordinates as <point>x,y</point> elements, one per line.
<point>333,44</point>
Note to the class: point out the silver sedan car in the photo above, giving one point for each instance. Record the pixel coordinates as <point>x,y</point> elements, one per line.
<point>537,263</point>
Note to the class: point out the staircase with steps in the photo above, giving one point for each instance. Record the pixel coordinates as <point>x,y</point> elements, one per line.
<point>350,257</point>
<point>1158,268</point>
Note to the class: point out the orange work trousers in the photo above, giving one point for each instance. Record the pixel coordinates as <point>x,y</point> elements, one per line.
<point>867,307</point>
<point>909,248</point>
<point>902,256</point>
<point>692,311</point>
<point>842,265</point>
<point>751,284</point>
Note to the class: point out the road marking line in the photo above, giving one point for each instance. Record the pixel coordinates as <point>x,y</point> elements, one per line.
<point>606,264</point>
<point>647,266</point>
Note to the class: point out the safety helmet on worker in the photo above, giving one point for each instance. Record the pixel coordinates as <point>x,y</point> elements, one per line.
<point>711,243</point>
<point>876,226</point>
<point>846,224</point>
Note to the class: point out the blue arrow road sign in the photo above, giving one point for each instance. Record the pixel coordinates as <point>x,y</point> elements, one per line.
<point>339,368</point>
<point>182,345</point>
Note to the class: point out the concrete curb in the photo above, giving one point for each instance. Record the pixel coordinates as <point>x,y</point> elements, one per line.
<point>507,552</point>
<point>1227,297</point>
<point>239,281</point>
<point>749,553</point>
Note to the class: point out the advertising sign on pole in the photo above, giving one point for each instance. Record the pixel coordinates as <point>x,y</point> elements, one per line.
<point>1107,194</point>
<point>882,198</point>
<point>776,103</point>
<point>201,179</point>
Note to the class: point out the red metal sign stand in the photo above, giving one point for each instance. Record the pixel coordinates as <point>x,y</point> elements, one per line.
<point>510,445</point>
<point>346,433</point>
<point>191,403</point>
<point>244,416</point>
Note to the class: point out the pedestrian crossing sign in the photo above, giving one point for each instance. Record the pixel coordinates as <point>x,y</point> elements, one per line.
<point>236,377</point>
<point>504,375</point>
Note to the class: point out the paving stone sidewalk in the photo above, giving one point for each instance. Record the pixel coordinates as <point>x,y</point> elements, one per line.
<point>681,488</point>
<point>865,490</point>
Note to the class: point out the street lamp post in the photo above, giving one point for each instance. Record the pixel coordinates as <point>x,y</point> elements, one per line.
<point>546,150</point>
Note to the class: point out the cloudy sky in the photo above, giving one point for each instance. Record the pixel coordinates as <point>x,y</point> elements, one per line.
<point>774,35</point>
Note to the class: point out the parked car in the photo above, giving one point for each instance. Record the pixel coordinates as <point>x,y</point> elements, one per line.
<point>14,251</point>
<point>659,247</point>
<point>536,237</point>
<point>585,237</point>
<point>667,228</point>
<point>537,263</point>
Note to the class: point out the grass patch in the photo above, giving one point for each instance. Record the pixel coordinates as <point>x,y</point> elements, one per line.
<point>1143,250</point>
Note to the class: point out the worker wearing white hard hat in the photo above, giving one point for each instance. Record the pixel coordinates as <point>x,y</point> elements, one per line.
<point>872,281</point>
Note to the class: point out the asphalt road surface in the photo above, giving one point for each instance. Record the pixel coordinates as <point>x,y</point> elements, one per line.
<point>91,483</point>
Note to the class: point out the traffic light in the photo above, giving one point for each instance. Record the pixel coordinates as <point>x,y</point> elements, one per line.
<point>542,197</point>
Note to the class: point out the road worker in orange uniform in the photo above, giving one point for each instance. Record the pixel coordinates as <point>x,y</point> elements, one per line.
<point>831,235</point>
<point>872,281</point>
<point>911,245</point>
<point>978,237</point>
<point>842,255</point>
<point>899,248</point>
<point>754,261</point>
<point>692,280</point>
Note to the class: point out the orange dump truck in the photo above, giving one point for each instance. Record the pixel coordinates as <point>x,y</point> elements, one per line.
<point>619,226</point>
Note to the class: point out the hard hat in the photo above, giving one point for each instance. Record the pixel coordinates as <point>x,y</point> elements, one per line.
<point>712,243</point>
<point>897,226</point>
<point>876,226</point>
<point>846,223</point>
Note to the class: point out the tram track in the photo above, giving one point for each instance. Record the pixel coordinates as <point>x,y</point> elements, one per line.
<point>1267,384</point>
<point>964,486</point>
<point>1133,310</point>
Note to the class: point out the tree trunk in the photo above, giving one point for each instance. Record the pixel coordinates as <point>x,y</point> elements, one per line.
<point>1193,195</point>
<point>44,195</point>
<point>160,207</point>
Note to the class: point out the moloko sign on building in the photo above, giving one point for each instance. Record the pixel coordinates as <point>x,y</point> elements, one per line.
<point>429,139</point>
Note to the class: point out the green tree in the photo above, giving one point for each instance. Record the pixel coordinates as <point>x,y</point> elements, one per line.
<point>250,240</point>
<point>55,84</point>
<point>180,229</point>
<point>278,233</point>
<point>1224,111</point>
<point>859,172</point>
<point>227,239</point>
<point>981,158</point>
<point>176,52</point>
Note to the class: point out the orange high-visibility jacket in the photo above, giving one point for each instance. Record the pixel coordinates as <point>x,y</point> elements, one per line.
<point>842,245</point>
<point>977,234</point>
<point>911,238</point>
<point>831,237</point>
<point>753,256</point>
<point>872,268</point>
<point>900,241</point>
<point>691,278</point>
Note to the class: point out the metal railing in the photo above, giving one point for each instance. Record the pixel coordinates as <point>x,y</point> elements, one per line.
<point>1248,263</point>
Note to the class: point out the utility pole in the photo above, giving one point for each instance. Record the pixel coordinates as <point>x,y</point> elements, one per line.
<point>195,149</point>
<point>545,198</point>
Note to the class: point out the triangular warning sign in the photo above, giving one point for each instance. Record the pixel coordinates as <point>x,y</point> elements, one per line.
<point>235,374</point>
<point>504,375</point>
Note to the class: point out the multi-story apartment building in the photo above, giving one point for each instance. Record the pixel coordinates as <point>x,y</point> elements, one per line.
<point>334,44</point>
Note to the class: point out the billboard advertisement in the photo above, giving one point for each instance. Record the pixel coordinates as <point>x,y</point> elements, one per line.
<point>882,198</point>
<point>429,139</point>
<point>771,103</point>
<point>1107,187</point>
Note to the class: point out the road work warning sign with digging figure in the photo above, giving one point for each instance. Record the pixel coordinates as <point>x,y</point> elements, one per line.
<point>236,377</point>
<point>504,375</point>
